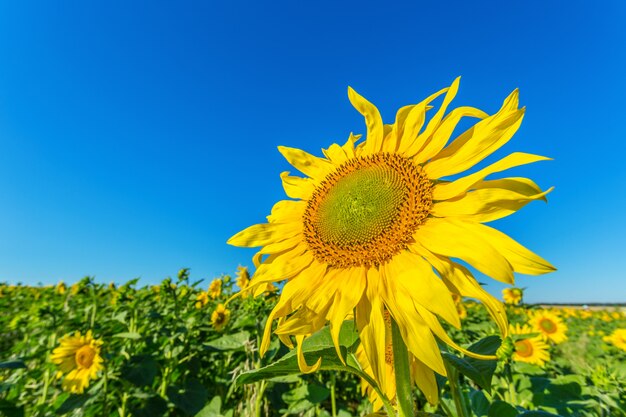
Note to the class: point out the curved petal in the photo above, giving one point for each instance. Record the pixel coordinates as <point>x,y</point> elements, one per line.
<point>455,239</point>
<point>447,190</point>
<point>304,367</point>
<point>491,200</point>
<point>264,233</point>
<point>297,187</point>
<point>311,166</point>
<point>425,379</point>
<point>373,121</point>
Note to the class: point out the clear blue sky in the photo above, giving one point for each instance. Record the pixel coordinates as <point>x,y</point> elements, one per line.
<point>137,137</point>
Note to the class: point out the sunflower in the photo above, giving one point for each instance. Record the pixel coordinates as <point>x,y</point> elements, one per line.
<point>374,227</point>
<point>243,277</point>
<point>202,299</point>
<point>531,349</point>
<point>78,358</point>
<point>220,317</point>
<point>618,338</point>
<point>512,295</point>
<point>549,325</point>
<point>61,288</point>
<point>215,288</point>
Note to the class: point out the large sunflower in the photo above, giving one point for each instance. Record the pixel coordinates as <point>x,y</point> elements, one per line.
<point>374,228</point>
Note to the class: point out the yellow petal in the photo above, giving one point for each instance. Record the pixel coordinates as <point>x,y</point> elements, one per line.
<point>264,233</point>
<point>491,200</point>
<point>478,142</point>
<point>441,136</point>
<point>452,238</point>
<point>445,191</point>
<point>336,154</point>
<point>311,166</point>
<point>523,260</point>
<point>304,367</point>
<point>373,121</point>
<point>345,300</point>
<point>297,187</point>
<point>425,379</point>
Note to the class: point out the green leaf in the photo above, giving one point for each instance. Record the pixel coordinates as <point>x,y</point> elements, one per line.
<point>12,365</point>
<point>128,335</point>
<point>536,413</point>
<point>153,407</point>
<point>140,370</point>
<point>72,402</point>
<point>235,341</point>
<point>479,371</point>
<point>501,409</point>
<point>9,409</point>
<point>190,399</point>
<point>319,345</point>
<point>212,409</point>
<point>479,403</point>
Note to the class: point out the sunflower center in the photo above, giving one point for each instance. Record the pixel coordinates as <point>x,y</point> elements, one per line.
<point>547,325</point>
<point>524,348</point>
<point>84,356</point>
<point>367,210</point>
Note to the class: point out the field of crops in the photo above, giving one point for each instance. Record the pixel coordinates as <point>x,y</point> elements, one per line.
<point>175,350</point>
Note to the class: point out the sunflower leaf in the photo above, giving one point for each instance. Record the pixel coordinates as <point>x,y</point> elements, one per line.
<point>479,371</point>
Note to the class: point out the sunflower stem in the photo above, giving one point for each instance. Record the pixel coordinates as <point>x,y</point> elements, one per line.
<point>456,391</point>
<point>402,368</point>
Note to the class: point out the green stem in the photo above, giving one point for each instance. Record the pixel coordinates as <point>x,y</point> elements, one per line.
<point>511,385</point>
<point>105,405</point>
<point>333,399</point>
<point>456,392</point>
<point>445,408</point>
<point>258,403</point>
<point>46,384</point>
<point>402,369</point>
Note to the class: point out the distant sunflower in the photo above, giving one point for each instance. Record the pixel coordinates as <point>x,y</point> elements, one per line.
<point>618,338</point>
<point>531,349</point>
<point>215,288</point>
<point>61,288</point>
<point>79,360</point>
<point>220,317</point>
<point>549,325</point>
<point>243,278</point>
<point>373,221</point>
<point>512,295</point>
<point>202,299</point>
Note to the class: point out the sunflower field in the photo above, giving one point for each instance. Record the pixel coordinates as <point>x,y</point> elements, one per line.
<point>176,350</point>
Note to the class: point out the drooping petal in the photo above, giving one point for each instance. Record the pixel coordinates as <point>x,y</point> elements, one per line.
<point>491,200</point>
<point>297,187</point>
<point>373,121</point>
<point>445,191</point>
<point>311,166</point>
<point>425,380</point>
<point>264,233</point>
<point>452,238</point>
<point>479,141</point>
<point>304,367</point>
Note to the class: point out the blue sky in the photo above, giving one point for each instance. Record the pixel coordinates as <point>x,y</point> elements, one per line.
<point>137,137</point>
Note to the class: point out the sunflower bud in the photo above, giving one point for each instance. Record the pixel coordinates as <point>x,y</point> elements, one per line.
<point>505,351</point>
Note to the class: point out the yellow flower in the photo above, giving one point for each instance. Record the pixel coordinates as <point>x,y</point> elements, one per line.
<point>549,325</point>
<point>220,317</point>
<point>373,220</point>
<point>243,277</point>
<point>512,295</point>
<point>618,338</point>
<point>531,349</point>
<point>202,299</point>
<point>78,358</point>
<point>215,288</point>
<point>61,288</point>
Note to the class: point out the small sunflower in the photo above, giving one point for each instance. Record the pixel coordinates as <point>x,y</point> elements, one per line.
<point>215,288</point>
<point>375,226</point>
<point>531,349</point>
<point>549,325</point>
<point>61,288</point>
<point>202,299</point>
<point>78,358</point>
<point>243,278</point>
<point>618,338</point>
<point>512,296</point>
<point>220,317</point>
